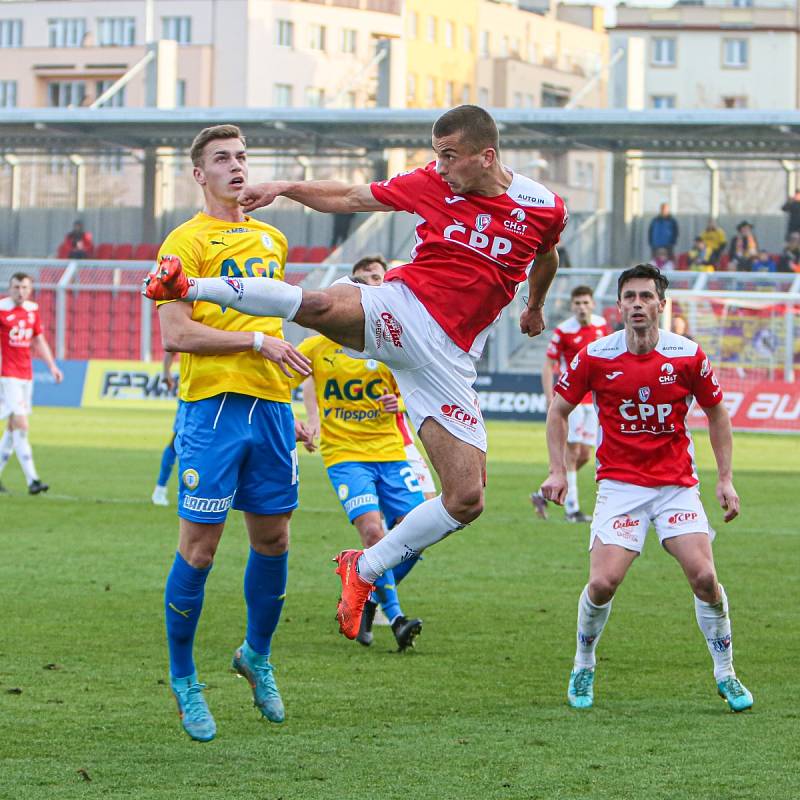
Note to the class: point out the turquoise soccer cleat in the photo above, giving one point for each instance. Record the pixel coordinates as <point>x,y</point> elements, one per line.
<point>580,693</point>
<point>258,671</point>
<point>195,716</point>
<point>734,694</point>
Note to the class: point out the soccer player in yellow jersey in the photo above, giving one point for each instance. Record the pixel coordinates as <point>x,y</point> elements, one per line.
<point>354,408</point>
<point>235,433</point>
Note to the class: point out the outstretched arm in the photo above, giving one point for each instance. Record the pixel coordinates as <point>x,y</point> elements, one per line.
<point>719,432</point>
<point>541,275</point>
<point>555,486</point>
<point>47,354</point>
<point>331,196</point>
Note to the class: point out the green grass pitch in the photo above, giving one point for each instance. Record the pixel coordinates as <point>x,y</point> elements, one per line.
<point>478,710</point>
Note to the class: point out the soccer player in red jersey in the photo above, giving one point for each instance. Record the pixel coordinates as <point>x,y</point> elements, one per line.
<point>481,231</point>
<point>644,380</point>
<point>20,327</point>
<point>568,338</point>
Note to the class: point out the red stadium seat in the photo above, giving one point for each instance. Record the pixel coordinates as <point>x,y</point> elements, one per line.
<point>63,250</point>
<point>104,251</point>
<point>683,261</point>
<point>144,252</point>
<point>724,262</point>
<point>298,254</point>
<point>123,251</point>
<point>317,254</point>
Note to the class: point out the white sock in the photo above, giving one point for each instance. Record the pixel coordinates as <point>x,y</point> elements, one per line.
<point>6,449</point>
<point>25,455</point>
<point>423,526</point>
<point>715,623</point>
<point>260,297</point>
<point>571,504</point>
<point>591,621</point>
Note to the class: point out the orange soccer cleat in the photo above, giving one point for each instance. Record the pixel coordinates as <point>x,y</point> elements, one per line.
<point>355,592</point>
<point>167,281</point>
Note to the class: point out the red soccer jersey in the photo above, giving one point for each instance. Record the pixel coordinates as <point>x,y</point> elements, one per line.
<point>18,326</point>
<point>570,337</point>
<point>642,403</point>
<point>471,251</point>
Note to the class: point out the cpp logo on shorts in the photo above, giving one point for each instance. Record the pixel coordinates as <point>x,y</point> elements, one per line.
<point>236,285</point>
<point>459,415</point>
<point>683,517</point>
<point>191,479</point>
<point>388,329</point>
<point>343,491</point>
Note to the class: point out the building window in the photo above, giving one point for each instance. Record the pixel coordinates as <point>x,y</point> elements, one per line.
<point>466,94</point>
<point>467,38</point>
<point>485,44</point>
<point>742,3</point>
<point>449,93</point>
<point>529,100</point>
<point>734,52</point>
<point>282,95</point>
<point>431,30</point>
<point>64,94</point>
<point>178,29</point>
<point>584,174</point>
<point>532,52</point>
<point>316,37</point>
<point>349,40</point>
<point>517,100</point>
<point>180,93</point>
<point>315,98</point>
<point>554,96</point>
<point>284,33</point>
<point>8,94</point>
<point>738,101</point>
<point>411,87</point>
<point>117,100</point>
<point>349,99</point>
<point>483,97</point>
<point>430,97</point>
<point>111,161</point>
<point>10,33</point>
<point>449,34</point>
<point>66,32</point>
<point>504,47</point>
<point>662,174</point>
<point>413,23</point>
<point>662,101</point>
<point>116,31</point>
<point>663,52</point>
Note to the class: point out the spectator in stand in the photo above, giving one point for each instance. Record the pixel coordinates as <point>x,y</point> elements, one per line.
<point>662,260</point>
<point>715,240</point>
<point>341,228</point>
<point>680,326</point>
<point>790,257</point>
<point>763,263</point>
<point>78,242</point>
<point>743,248</point>
<point>663,231</point>
<point>700,256</point>
<point>792,208</point>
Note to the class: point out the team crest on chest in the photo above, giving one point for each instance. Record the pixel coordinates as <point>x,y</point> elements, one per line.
<point>482,222</point>
<point>644,393</point>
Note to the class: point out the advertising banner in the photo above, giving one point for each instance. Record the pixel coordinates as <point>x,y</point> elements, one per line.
<point>511,396</point>
<point>128,384</point>
<point>68,393</point>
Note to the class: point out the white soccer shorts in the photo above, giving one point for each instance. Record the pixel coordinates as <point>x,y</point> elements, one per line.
<point>623,513</point>
<point>434,375</point>
<point>582,425</point>
<point>420,467</point>
<point>16,397</point>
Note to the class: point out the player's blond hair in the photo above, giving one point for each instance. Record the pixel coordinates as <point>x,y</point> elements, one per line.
<point>209,135</point>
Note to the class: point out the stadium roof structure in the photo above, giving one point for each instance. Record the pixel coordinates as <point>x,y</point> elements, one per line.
<point>671,133</point>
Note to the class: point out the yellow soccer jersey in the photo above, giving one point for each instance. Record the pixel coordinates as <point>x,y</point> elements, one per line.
<point>353,424</point>
<point>210,247</point>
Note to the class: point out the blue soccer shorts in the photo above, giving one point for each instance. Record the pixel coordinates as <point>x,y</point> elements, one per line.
<point>387,486</point>
<point>235,451</point>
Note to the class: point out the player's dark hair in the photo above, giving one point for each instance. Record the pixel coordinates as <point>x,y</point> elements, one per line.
<point>364,262</point>
<point>581,291</point>
<point>209,135</point>
<point>476,126</point>
<point>19,276</point>
<point>644,271</point>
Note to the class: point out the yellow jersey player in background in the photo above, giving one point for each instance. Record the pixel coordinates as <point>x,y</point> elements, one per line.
<point>353,405</point>
<point>235,432</point>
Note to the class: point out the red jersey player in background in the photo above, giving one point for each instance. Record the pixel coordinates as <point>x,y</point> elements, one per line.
<point>482,230</point>
<point>20,327</point>
<point>644,380</point>
<point>568,338</point>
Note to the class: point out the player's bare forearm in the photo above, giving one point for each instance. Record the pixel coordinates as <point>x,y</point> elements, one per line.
<point>555,485</point>
<point>310,402</point>
<point>328,196</point>
<point>45,352</point>
<point>545,266</point>
<point>181,334</point>
<point>547,380</point>
<point>721,436</point>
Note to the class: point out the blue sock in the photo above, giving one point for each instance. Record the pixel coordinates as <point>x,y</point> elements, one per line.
<point>183,602</point>
<point>264,592</point>
<point>167,463</point>
<point>403,568</point>
<point>386,593</point>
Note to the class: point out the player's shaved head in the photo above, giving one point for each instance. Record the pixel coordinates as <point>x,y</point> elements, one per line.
<point>476,126</point>
<point>644,271</point>
<point>209,135</point>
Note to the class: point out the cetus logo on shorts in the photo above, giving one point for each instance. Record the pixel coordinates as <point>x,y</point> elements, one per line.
<point>388,329</point>
<point>683,517</point>
<point>625,527</point>
<point>460,415</point>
